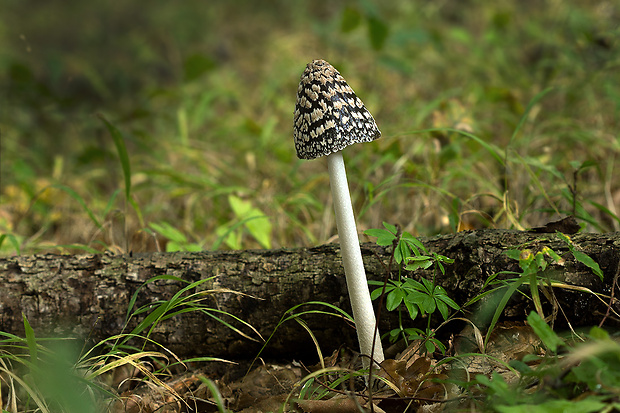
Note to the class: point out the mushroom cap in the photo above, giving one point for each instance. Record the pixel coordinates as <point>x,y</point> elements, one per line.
<point>328,114</point>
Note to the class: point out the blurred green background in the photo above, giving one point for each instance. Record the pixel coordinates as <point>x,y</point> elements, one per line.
<point>203,94</point>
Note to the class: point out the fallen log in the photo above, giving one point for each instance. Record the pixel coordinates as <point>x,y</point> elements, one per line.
<point>88,296</point>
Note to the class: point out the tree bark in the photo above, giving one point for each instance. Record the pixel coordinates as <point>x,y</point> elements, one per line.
<point>87,296</point>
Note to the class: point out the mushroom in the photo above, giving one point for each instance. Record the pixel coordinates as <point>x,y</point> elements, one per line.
<point>328,118</point>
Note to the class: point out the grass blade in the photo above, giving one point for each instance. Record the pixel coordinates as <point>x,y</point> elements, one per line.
<point>80,201</point>
<point>119,142</point>
<point>31,341</point>
<point>529,107</point>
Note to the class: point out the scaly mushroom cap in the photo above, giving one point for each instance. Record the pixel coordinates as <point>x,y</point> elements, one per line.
<point>328,115</point>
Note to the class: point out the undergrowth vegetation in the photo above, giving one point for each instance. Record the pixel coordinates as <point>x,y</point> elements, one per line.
<point>203,97</point>
<point>132,128</point>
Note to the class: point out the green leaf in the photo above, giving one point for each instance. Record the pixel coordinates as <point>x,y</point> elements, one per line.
<point>442,258</point>
<point>401,253</point>
<point>416,297</point>
<point>256,222</point>
<point>502,304</point>
<point>600,368</point>
<point>566,239</point>
<point>394,333</point>
<point>214,393</point>
<point>412,308</point>
<point>429,287</point>
<point>413,286</point>
<point>443,297</point>
<point>588,262</point>
<point>384,238</point>
<point>605,210</point>
<point>520,366</point>
<point>168,231</point>
<point>390,227</point>
<point>540,260</point>
<point>422,261</point>
<point>260,227</point>
<point>14,242</point>
<point>375,282</point>
<point>376,293</point>
<point>31,341</point>
<point>413,243</point>
<point>240,207</point>
<point>394,299</point>
<point>514,254</point>
<point>492,149</point>
<point>549,338</point>
<point>552,254</point>
<point>460,35</point>
<point>375,232</point>
<point>439,345</point>
<point>498,386</point>
<point>177,240</point>
<point>443,309</point>
<point>525,261</point>
<point>598,333</point>
<point>580,166</point>
<point>429,304</point>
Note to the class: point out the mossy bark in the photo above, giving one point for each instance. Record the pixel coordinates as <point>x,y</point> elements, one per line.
<point>87,296</point>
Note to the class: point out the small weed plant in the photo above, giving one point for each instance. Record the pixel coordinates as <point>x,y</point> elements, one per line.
<point>569,376</point>
<point>419,298</point>
<point>535,273</point>
<point>54,375</point>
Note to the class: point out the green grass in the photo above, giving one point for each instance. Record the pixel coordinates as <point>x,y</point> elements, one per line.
<point>170,127</point>
<point>55,375</point>
<point>203,98</point>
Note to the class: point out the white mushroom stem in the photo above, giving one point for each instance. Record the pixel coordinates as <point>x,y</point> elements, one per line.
<point>357,283</point>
